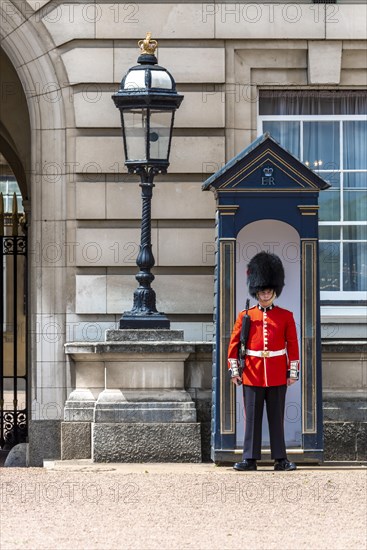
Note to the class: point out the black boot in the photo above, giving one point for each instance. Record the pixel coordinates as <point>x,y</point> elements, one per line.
<point>249,464</point>
<point>283,465</point>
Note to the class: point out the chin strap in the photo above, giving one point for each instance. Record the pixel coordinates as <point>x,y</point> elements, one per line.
<point>271,301</point>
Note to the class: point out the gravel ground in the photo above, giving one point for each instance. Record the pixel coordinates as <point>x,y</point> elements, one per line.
<point>79,505</point>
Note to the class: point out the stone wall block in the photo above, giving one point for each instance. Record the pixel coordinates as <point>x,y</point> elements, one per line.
<point>324,62</point>
<point>362,441</point>
<point>265,21</point>
<point>180,442</point>
<point>146,374</point>
<point>90,200</point>
<point>84,65</point>
<point>112,247</point>
<point>346,22</point>
<point>181,200</point>
<point>340,441</point>
<point>170,21</point>
<point>194,65</point>
<point>334,368</point>
<point>71,21</point>
<point>186,246</point>
<point>195,293</point>
<point>189,154</point>
<point>75,440</point>
<point>91,294</point>
<point>44,441</point>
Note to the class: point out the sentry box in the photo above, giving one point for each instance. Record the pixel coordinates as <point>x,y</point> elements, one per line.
<point>268,200</point>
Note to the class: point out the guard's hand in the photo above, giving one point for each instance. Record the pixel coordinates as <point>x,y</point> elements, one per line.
<point>291,381</point>
<point>237,380</point>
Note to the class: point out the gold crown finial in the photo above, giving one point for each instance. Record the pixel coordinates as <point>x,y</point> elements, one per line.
<point>147,45</point>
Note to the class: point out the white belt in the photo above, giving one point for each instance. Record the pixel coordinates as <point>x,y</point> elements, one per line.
<point>266,353</point>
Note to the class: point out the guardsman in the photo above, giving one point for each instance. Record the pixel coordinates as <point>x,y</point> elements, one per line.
<point>271,362</point>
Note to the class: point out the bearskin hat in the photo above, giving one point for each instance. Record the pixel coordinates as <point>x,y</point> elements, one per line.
<point>265,270</point>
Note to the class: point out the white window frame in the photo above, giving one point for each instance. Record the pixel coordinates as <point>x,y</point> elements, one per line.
<point>339,295</point>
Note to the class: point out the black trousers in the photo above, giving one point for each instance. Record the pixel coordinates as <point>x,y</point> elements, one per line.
<point>254,398</point>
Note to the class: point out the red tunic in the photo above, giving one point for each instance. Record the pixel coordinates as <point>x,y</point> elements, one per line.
<point>270,330</point>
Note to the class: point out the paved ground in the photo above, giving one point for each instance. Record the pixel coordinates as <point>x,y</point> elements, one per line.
<point>78,505</point>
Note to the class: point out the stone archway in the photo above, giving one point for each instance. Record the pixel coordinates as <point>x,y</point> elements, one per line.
<point>32,140</point>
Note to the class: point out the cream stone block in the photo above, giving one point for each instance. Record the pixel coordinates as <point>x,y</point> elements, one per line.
<point>123,59</point>
<point>191,65</point>
<point>90,200</point>
<point>49,340</point>
<point>194,154</point>
<point>346,22</point>
<point>51,378</point>
<point>53,151</point>
<point>99,155</point>
<point>168,21</point>
<point>354,77</point>
<point>48,403</point>
<point>185,246</point>
<point>123,200</point>
<point>90,294</point>
<point>146,374</point>
<point>110,247</point>
<point>120,291</point>
<point>324,62</point>
<point>242,139</point>
<point>52,288</point>
<point>95,108</point>
<point>48,197</point>
<point>40,81</point>
<point>71,21</point>
<point>267,21</point>
<point>340,371</point>
<point>202,109</point>
<point>182,201</point>
<point>279,77</point>
<point>194,64</point>
<point>354,59</point>
<point>176,294</point>
<point>273,57</point>
<point>89,374</point>
<point>49,251</point>
<point>89,65</point>
<point>28,46</point>
<point>189,154</point>
<point>179,200</point>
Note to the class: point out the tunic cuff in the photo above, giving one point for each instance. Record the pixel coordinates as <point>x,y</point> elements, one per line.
<point>293,372</point>
<point>233,368</point>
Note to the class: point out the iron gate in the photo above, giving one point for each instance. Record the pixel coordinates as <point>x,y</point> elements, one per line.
<point>13,327</point>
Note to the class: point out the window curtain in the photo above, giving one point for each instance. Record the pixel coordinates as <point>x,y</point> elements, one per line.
<point>312,102</point>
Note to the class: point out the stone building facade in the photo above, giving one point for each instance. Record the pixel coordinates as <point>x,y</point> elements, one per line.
<point>61,136</point>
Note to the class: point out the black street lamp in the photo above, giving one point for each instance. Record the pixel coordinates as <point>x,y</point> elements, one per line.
<point>147,100</point>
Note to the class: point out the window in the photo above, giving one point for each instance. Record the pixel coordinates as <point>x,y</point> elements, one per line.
<point>328,132</point>
<point>9,186</point>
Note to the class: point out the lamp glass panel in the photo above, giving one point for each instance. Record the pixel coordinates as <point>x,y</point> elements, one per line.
<point>160,79</point>
<point>160,134</point>
<point>135,125</point>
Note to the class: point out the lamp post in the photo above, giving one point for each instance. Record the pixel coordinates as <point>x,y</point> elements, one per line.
<point>147,100</point>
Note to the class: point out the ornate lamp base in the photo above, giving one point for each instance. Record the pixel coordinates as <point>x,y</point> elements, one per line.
<point>153,321</point>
